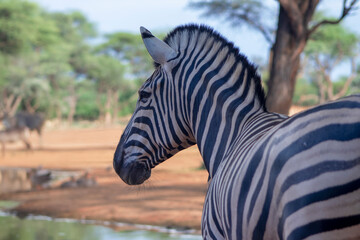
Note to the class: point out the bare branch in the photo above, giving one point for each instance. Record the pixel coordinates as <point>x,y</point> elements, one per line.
<point>237,13</point>
<point>348,81</point>
<point>346,10</point>
<point>9,101</point>
<point>258,26</point>
<point>15,105</point>
<point>329,87</point>
<point>2,111</point>
<point>322,88</point>
<point>267,35</point>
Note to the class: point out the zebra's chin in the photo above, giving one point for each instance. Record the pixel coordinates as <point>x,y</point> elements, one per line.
<point>134,173</point>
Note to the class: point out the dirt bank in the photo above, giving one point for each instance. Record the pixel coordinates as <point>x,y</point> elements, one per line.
<point>173,196</point>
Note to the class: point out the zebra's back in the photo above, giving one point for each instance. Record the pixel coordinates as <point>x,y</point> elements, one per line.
<point>300,179</point>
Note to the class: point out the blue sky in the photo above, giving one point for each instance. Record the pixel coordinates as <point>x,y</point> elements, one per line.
<point>157,15</point>
<point>163,15</point>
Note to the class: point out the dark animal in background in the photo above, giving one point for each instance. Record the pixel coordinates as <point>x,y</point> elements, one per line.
<point>32,121</point>
<point>83,181</point>
<point>40,178</point>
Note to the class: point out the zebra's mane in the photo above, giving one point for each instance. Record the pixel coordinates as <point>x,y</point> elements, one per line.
<point>176,38</point>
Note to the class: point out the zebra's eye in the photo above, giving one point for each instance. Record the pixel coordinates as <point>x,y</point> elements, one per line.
<point>143,96</point>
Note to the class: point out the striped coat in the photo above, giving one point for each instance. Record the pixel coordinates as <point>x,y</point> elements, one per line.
<point>271,177</point>
<point>297,179</point>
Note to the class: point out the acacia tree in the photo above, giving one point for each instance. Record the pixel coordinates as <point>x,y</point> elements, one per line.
<point>67,57</point>
<point>108,74</point>
<point>24,32</point>
<point>129,49</point>
<point>329,47</point>
<point>294,29</point>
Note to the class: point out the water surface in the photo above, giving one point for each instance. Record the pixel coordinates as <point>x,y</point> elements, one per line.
<point>44,228</point>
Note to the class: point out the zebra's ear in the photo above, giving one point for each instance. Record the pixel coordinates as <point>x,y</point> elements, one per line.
<point>158,49</point>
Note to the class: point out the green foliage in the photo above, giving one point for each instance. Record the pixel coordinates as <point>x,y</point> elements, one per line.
<point>107,72</point>
<point>47,64</point>
<point>36,91</point>
<point>235,11</point>
<point>355,86</point>
<point>128,98</point>
<point>329,47</point>
<point>130,50</point>
<point>303,89</point>
<point>86,107</point>
<point>332,41</point>
<point>24,27</point>
<point>55,60</point>
<point>252,13</point>
<point>74,26</point>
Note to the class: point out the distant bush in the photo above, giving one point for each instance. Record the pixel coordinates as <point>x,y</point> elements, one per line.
<point>127,109</point>
<point>86,108</point>
<point>305,93</point>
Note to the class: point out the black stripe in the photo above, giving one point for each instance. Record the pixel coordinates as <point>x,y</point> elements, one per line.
<point>200,94</point>
<point>183,81</point>
<point>245,186</point>
<point>322,195</point>
<point>214,205</point>
<point>329,106</point>
<point>314,171</point>
<point>165,142</point>
<point>144,134</point>
<point>324,225</point>
<point>138,144</point>
<point>337,132</point>
<point>214,126</point>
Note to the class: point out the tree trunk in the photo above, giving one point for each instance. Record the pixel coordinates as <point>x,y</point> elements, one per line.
<point>115,106</point>
<point>58,114</point>
<point>284,67</point>
<point>72,109</point>
<point>291,37</point>
<point>72,103</point>
<point>12,104</point>
<point>322,88</point>
<point>108,107</point>
<point>28,106</point>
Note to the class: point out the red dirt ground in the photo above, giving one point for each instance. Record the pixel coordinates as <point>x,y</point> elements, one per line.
<point>173,196</point>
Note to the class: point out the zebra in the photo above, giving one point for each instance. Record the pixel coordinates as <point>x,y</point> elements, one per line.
<point>270,176</point>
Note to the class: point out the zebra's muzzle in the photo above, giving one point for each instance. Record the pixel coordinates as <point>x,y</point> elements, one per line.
<point>134,173</point>
<point>131,170</point>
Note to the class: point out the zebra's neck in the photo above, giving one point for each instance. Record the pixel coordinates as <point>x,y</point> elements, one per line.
<point>221,108</point>
<point>219,90</point>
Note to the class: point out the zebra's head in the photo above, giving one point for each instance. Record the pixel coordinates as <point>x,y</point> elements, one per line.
<point>158,128</point>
